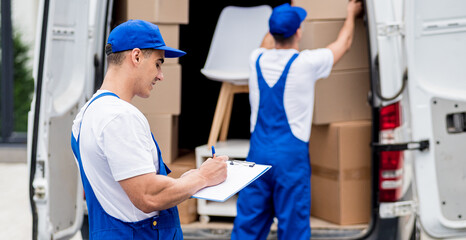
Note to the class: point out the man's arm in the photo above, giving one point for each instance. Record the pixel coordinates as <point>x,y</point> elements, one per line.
<point>345,37</point>
<point>268,42</point>
<point>151,192</point>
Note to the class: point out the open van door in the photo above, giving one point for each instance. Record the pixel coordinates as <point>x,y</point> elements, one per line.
<point>436,59</point>
<point>69,49</point>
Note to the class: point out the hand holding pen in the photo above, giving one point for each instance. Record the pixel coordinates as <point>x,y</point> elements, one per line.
<point>214,170</point>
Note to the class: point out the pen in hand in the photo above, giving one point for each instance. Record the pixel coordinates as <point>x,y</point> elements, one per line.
<point>213,151</point>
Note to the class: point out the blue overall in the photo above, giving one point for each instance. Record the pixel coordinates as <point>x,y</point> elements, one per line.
<point>103,226</point>
<point>284,190</point>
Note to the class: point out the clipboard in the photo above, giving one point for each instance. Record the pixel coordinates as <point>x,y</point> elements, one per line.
<point>239,175</point>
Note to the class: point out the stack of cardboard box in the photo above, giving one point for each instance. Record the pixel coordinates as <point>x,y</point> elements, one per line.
<point>163,107</point>
<point>341,131</point>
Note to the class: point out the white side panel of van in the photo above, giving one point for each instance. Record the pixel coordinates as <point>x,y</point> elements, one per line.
<point>436,53</point>
<point>72,40</point>
<point>390,43</point>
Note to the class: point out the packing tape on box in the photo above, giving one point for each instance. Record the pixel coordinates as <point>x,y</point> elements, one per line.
<point>324,172</point>
<point>347,174</point>
<point>363,173</point>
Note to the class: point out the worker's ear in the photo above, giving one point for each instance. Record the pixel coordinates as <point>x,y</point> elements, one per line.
<point>136,56</point>
<point>299,34</point>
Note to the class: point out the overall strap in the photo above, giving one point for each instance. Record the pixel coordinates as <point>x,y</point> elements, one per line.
<point>260,78</point>
<point>282,80</point>
<point>259,71</point>
<point>98,96</point>
<point>102,95</point>
<point>163,169</point>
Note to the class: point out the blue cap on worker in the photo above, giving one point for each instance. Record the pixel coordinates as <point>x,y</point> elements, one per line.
<point>286,19</point>
<point>139,34</point>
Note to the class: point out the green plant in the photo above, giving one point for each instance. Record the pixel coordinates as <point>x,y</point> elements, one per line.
<point>23,84</point>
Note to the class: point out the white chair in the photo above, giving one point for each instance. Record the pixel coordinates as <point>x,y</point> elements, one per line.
<point>239,30</point>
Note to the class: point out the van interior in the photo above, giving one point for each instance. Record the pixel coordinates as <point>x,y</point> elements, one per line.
<point>341,130</point>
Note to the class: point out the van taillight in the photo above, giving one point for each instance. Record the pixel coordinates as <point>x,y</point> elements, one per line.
<point>391,162</point>
<point>390,175</point>
<point>390,116</point>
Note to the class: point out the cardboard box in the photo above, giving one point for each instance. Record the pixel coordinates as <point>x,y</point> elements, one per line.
<point>328,9</point>
<point>165,98</point>
<point>182,164</point>
<point>342,97</point>
<point>187,209</point>
<point>156,11</point>
<point>171,37</point>
<point>341,172</point>
<point>319,34</point>
<point>165,130</point>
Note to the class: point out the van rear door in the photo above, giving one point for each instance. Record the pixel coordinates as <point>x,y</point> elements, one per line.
<point>68,48</point>
<point>436,58</point>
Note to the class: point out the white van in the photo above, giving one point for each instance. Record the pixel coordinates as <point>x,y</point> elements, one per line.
<point>418,99</point>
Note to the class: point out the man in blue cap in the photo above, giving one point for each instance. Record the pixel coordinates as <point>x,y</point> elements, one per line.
<point>281,94</point>
<point>127,191</point>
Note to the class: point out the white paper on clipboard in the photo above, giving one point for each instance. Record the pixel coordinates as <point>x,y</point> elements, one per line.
<point>238,176</point>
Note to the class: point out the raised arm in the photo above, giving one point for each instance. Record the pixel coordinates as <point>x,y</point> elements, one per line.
<point>268,41</point>
<point>345,37</point>
<point>152,192</point>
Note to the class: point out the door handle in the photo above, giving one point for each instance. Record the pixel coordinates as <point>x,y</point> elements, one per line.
<point>421,146</point>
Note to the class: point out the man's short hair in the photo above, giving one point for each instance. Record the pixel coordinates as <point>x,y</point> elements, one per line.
<point>280,39</point>
<point>117,57</point>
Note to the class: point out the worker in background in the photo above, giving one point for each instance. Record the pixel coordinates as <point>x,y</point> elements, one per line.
<point>281,94</point>
<point>128,194</point>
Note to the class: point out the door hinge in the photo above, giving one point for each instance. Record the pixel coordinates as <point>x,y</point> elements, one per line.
<point>397,209</point>
<point>391,29</point>
<point>40,192</point>
<point>421,146</point>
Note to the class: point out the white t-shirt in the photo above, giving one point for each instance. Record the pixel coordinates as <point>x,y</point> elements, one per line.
<point>307,68</point>
<point>115,144</point>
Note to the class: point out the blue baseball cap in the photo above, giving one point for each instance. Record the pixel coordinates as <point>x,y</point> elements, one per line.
<point>139,34</point>
<point>286,19</point>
